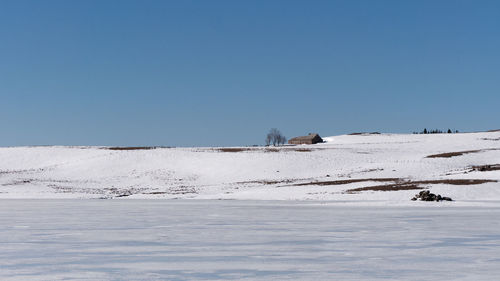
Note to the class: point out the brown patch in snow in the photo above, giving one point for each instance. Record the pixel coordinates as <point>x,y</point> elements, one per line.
<point>387,187</point>
<point>455,181</point>
<point>302,149</point>
<point>266,149</point>
<point>399,183</point>
<point>452,154</point>
<point>491,139</point>
<point>267,182</point>
<point>458,153</point>
<point>233,149</point>
<point>364,133</point>
<point>342,182</point>
<point>156,192</point>
<point>132,147</point>
<point>409,185</point>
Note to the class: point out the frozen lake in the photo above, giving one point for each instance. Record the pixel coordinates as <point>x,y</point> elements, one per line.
<point>245,240</point>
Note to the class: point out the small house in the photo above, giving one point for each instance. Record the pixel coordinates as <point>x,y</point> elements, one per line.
<point>309,139</point>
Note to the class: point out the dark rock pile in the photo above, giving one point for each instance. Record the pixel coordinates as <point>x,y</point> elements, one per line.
<point>426,195</point>
<point>486,168</point>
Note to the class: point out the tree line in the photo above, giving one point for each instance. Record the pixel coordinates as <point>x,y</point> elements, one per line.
<point>436,131</point>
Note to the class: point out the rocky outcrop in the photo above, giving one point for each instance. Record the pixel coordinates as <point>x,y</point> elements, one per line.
<point>426,195</point>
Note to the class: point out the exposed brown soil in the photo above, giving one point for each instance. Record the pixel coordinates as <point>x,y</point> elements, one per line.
<point>242,149</point>
<point>107,193</point>
<point>18,182</point>
<point>399,183</point>
<point>486,168</point>
<point>266,182</point>
<point>231,149</point>
<point>267,149</point>
<point>341,182</point>
<point>452,154</point>
<point>336,182</point>
<point>357,134</point>
<point>156,192</point>
<point>455,181</point>
<point>409,185</point>
<point>182,190</point>
<point>132,148</point>
<point>302,149</point>
<point>458,153</point>
<point>387,187</point>
<point>371,170</point>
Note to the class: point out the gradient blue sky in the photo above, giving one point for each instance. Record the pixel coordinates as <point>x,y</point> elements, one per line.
<point>206,73</point>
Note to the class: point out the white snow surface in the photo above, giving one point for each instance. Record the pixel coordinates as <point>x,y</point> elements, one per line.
<point>245,240</point>
<point>258,173</point>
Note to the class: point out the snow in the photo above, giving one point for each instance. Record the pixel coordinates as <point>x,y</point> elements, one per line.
<point>283,225</point>
<point>256,173</point>
<point>245,240</point>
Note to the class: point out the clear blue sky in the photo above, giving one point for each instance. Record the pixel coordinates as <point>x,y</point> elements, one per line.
<point>205,73</point>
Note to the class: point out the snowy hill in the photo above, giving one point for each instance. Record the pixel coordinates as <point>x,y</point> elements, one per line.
<point>387,167</point>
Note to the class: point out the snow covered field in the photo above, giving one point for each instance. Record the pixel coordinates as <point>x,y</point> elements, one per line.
<point>245,240</point>
<point>336,170</point>
<point>355,220</point>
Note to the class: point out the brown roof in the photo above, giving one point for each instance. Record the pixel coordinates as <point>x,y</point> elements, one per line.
<point>308,137</point>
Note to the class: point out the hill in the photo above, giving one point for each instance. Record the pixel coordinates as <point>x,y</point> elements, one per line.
<point>359,168</point>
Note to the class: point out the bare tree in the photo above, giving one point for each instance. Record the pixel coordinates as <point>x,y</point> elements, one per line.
<point>268,139</point>
<point>275,137</point>
<point>282,140</point>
